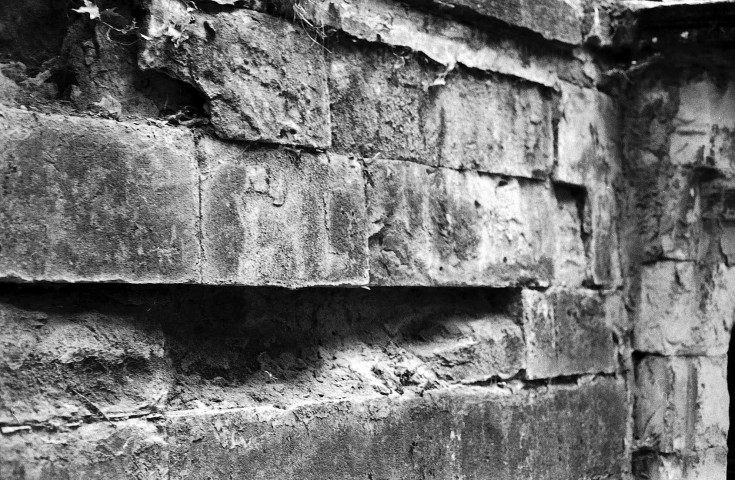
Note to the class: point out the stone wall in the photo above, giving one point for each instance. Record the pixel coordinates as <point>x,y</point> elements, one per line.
<point>374,239</point>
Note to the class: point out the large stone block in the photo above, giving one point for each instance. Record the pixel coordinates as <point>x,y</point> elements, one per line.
<point>684,309</point>
<point>567,333</point>
<point>58,363</point>
<point>443,227</point>
<point>275,217</point>
<point>459,433</point>
<point>129,449</point>
<point>490,123</point>
<point>704,124</point>
<point>553,19</point>
<point>264,77</point>
<point>85,199</point>
<point>682,403</point>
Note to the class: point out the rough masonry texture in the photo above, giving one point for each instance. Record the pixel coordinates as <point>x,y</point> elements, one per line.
<point>334,239</point>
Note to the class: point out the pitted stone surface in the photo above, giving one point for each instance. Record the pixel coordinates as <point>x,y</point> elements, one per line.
<point>434,226</point>
<point>407,110</point>
<point>682,403</point>
<point>95,200</point>
<point>279,217</point>
<point>529,434</point>
<point>264,77</point>
<point>567,333</point>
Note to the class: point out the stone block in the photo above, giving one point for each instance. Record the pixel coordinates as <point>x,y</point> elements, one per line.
<point>388,108</point>
<point>264,77</point>
<point>570,239</point>
<point>589,135</point>
<point>129,449</point>
<point>567,333</point>
<point>684,309</point>
<point>552,19</point>
<point>682,403</point>
<point>704,125</point>
<point>708,465</point>
<point>86,199</point>
<point>459,433</point>
<point>434,226</point>
<point>61,364</point>
<point>276,217</point>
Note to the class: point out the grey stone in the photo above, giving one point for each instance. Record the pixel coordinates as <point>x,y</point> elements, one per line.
<point>86,199</point>
<point>682,403</point>
<point>275,217</point>
<point>463,432</point>
<point>443,227</point>
<point>387,107</point>
<point>264,77</point>
<point>567,333</point>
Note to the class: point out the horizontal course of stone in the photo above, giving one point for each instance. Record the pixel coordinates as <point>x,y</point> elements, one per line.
<point>228,382</point>
<point>88,199</point>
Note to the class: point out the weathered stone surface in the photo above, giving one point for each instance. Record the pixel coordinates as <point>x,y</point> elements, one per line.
<point>682,403</point>
<point>684,309</point>
<point>490,123</point>
<point>272,217</point>
<point>443,227</point>
<point>446,41</point>
<point>57,362</point>
<point>589,137</point>
<point>704,125</point>
<point>710,464</point>
<point>570,253</point>
<point>130,449</point>
<point>94,200</point>
<point>567,333</point>
<point>264,77</point>
<point>553,19</point>
<point>459,433</point>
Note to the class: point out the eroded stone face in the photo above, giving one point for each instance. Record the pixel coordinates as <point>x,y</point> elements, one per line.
<point>567,333</point>
<point>684,309</point>
<point>276,217</point>
<point>408,109</point>
<point>682,403</point>
<point>94,200</point>
<point>531,434</point>
<point>264,77</point>
<point>433,226</point>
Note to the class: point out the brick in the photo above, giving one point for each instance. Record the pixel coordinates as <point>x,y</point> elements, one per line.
<point>444,227</point>
<point>682,403</point>
<point>485,122</point>
<point>129,449</point>
<point>567,333</point>
<point>88,360</point>
<point>86,199</point>
<point>271,217</point>
<point>684,309</point>
<point>264,77</point>
<point>460,433</point>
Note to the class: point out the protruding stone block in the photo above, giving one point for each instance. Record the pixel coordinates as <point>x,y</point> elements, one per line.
<point>525,435</point>
<point>434,226</point>
<point>490,123</point>
<point>264,77</point>
<point>279,217</point>
<point>684,309</point>
<point>567,333</point>
<point>85,199</point>
<point>682,403</point>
